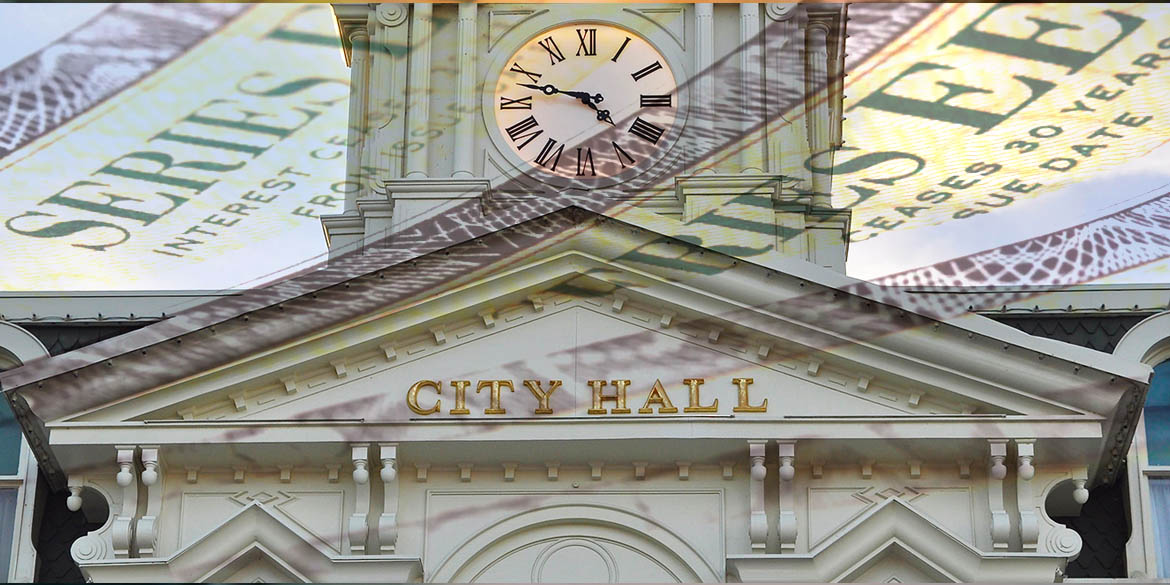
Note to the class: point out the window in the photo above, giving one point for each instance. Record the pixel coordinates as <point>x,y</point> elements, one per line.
<point>1157,415</point>
<point>1160,502</point>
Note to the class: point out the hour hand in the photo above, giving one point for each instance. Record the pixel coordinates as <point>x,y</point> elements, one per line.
<point>585,97</point>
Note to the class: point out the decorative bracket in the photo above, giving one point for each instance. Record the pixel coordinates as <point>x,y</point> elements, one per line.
<point>1025,471</point>
<point>758,526</point>
<point>786,525</point>
<point>1000,527</point>
<point>359,528</point>
<point>122,531</point>
<point>388,522</point>
<point>95,545</point>
<point>146,535</point>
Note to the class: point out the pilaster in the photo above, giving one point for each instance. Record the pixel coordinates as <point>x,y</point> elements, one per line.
<point>465,102</point>
<point>703,132</point>
<point>352,21</point>
<point>752,156</point>
<point>419,93</point>
<point>388,75</point>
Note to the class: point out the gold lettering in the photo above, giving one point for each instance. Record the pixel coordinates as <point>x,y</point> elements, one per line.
<point>696,405</point>
<point>619,397</point>
<point>744,406</point>
<point>495,386</point>
<point>541,395</point>
<point>460,396</point>
<point>658,396</point>
<point>412,397</point>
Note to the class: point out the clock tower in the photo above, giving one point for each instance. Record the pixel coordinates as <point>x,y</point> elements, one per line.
<point>690,111</point>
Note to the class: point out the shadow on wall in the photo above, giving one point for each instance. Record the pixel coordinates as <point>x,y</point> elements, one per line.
<point>55,529</point>
<point>1104,527</point>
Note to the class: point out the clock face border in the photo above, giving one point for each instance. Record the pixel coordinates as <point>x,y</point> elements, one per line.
<point>670,140</point>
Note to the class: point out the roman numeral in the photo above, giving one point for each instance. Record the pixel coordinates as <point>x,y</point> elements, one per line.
<point>520,130</point>
<point>656,101</point>
<point>516,68</point>
<point>647,70</point>
<point>621,153</point>
<point>554,52</point>
<point>646,131</point>
<point>588,39</point>
<point>620,49</point>
<point>547,153</point>
<point>588,160</point>
<point>524,103</point>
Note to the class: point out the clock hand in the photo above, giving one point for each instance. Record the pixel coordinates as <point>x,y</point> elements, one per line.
<point>546,89</point>
<point>585,98</point>
<point>591,101</point>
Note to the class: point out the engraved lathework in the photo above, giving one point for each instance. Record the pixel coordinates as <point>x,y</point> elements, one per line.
<point>517,369</point>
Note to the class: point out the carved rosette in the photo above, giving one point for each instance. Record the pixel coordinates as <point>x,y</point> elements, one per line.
<point>780,11</point>
<point>391,14</point>
<point>1063,541</point>
<point>91,547</point>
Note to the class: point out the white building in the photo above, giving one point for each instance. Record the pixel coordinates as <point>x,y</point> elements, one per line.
<point>504,376</point>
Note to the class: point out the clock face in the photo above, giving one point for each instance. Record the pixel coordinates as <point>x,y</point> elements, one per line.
<point>587,101</point>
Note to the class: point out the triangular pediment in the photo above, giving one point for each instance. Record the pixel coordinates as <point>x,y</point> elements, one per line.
<point>574,317</point>
<point>867,353</point>
<point>255,545</point>
<point>892,542</point>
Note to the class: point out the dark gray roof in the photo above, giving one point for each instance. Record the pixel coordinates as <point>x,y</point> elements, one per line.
<point>1099,332</point>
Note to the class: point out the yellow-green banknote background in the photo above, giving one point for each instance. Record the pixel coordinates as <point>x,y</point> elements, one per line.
<point>953,145</point>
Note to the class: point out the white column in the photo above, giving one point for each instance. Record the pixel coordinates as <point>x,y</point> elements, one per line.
<point>817,104</point>
<point>359,39</point>
<point>419,89</point>
<point>465,94</point>
<point>703,91</point>
<point>387,72</point>
<point>752,155</point>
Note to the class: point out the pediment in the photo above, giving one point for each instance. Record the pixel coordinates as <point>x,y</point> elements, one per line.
<point>573,341</point>
<point>576,318</point>
<point>255,564</point>
<point>892,542</point>
<point>861,344</point>
<point>255,545</point>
